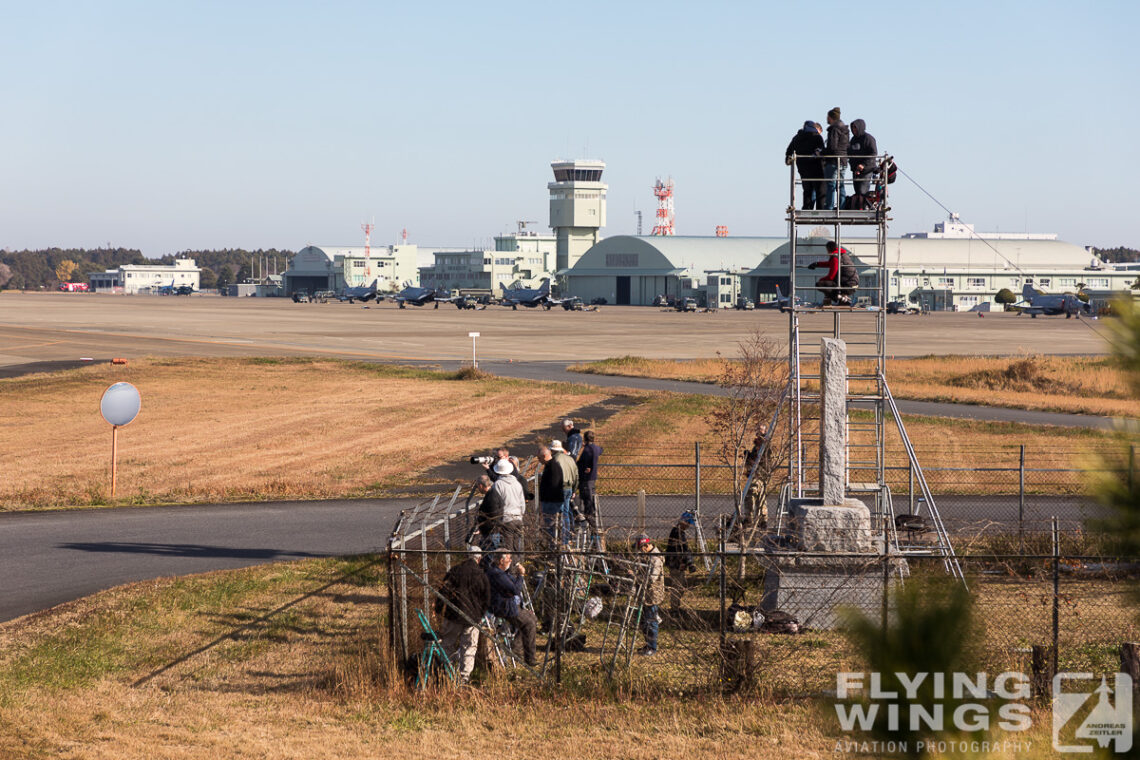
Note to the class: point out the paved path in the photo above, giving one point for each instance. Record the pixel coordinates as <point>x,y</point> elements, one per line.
<point>556,371</point>
<point>53,557</point>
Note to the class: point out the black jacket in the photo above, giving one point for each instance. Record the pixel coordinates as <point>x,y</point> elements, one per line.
<point>591,453</point>
<point>808,146</point>
<point>465,586</point>
<point>863,148</point>
<point>506,592</point>
<point>490,512</point>
<point>838,138</point>
<point>550,484</point>
<point>677,554</point>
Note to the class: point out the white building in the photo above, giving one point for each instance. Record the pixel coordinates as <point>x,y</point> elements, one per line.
<point>147,278</point>
<point>954,268</point>
<point>722,288</point>
<point>322,267</point>
<point>520,259</point>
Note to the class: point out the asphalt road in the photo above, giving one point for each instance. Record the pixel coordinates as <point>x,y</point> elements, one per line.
<point>54,557</point>
<point>556,371</point>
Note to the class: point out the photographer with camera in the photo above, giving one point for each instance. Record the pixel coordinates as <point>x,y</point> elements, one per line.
<point>503,454</point>
<point>512,496</point>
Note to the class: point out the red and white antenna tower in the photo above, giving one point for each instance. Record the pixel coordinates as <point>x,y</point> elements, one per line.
<point>368,227</point>
<point>404,236</point>
<point>664,193</point>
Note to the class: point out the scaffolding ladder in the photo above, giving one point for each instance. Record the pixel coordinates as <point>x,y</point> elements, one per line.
<point>862,326</point>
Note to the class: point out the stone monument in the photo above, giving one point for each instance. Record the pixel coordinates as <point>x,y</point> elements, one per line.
<point>832,555</point>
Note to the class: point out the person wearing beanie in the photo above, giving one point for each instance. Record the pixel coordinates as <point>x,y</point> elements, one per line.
<point>862,152</point>
<point>835,160</point>
<point>807,146</point>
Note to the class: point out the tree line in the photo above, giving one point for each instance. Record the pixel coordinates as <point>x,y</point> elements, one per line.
<point>1119,254</point>
<point>45,269</point>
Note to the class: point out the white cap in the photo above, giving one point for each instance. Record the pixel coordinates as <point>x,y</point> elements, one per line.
<point>556,445</point>
<point>504,467</point>
<point>567,423</point>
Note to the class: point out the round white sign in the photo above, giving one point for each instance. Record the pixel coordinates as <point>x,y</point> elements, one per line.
<point>120,404</point>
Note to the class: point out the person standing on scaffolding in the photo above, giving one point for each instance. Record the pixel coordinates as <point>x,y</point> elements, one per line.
<point>835,160</point>
<point>841,280</point>
<point>807,145</point>
<point>863,153</point>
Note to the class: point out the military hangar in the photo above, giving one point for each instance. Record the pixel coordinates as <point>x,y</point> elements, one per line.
<point>953,268</point>
<point>632,270</point>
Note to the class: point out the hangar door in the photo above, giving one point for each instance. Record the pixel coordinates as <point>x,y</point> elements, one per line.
<point>622,295</point>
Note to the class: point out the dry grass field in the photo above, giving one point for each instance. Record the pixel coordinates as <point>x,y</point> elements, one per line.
<point>1086,385</point>
<point>289,661</point>
<point>248,429</point>
<point>232,429</point>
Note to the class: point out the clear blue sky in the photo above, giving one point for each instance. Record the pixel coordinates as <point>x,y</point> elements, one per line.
<point>167,126</point>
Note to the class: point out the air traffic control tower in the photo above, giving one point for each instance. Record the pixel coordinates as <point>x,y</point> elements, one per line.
<point>577,207</point>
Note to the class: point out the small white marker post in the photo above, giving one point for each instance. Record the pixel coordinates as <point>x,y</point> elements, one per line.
<point>119,406</point>
<point>473,336</point>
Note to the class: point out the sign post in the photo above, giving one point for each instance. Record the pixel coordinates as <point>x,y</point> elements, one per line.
<point>473,336</point>
<point>119,406</point>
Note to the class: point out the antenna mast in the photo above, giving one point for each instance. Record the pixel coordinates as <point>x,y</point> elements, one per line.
<point>368,227</point>
<point>664,193</point>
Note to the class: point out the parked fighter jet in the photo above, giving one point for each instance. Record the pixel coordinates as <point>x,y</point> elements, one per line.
<point>363,293</point>
<point>781,302</point>
<point>528,297</point>
<point>1036,303</point>
<point>421,296</point>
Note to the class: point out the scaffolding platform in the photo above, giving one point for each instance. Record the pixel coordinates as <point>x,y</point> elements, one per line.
<point>862,326</point>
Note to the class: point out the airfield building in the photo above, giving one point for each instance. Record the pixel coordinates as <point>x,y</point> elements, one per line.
<point>146,278</point>
<point>951,268</point>
<point>316,268</point>
<point>631,270</point>
<point>520,259</point>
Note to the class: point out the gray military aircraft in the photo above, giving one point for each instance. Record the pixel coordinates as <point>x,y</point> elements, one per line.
<point>529,297</point>
<point>1050,305</point>
<point>363,293</point>
<point>422,296</point>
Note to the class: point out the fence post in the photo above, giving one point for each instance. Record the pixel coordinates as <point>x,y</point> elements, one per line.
<point>447,540</point>
<point>1021,498</point>
<point>1040,680</point>
<point>641,510</point>
<point>403,604</point>
<point>886,575</point>
<point>1131,464</point>
<point>556,629</point>
<point>1056,592</point>
<point>697,479</point>
<point>910,485</point>
<point>722,532</point>
<point>1130,662</point>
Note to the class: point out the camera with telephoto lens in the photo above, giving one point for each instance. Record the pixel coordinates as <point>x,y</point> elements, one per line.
<point>482,460</point>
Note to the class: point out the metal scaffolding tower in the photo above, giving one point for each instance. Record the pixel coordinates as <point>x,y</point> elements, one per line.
<point>862,325</point>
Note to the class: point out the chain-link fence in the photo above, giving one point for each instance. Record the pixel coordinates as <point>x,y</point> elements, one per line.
<point>718,617</point>
<point>1014,489</point>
